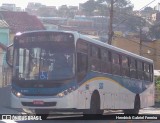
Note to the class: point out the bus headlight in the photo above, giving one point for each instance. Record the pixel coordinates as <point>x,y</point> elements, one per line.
<point>60,94</point>
<point>17,94</point>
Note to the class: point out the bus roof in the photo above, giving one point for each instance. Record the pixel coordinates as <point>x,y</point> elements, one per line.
<point>39,31</point>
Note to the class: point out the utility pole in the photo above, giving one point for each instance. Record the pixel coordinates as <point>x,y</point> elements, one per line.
<point>140,42</point>
<point>110,33</point>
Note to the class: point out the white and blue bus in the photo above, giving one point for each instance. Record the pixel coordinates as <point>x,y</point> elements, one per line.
<point>67,71</point>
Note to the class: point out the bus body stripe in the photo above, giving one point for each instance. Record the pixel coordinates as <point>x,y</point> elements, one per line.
<point>100,78</point>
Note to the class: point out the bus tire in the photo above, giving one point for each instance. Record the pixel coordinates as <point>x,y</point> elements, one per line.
<point>43,113</point>
<point>136,107</point>
<point>95,104</point>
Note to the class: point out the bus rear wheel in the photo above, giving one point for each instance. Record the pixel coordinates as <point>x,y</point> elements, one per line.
<point>136,107</point>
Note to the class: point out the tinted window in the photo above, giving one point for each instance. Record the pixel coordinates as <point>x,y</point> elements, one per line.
<point>95,59</point>
<point>105,62</point>
<point>115,64</point>
<point>133,73</point>
<point>140,70</point>
<point>125,66</point>
<point>82,46</point>
<point>82,65</point>
<point>146,72</point>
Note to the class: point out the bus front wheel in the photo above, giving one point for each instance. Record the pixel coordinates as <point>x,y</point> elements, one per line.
<point>94,104</point>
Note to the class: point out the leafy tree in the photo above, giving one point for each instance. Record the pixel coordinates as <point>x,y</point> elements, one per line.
<point>89,7</point>
<point>155,31</point>
<point>134,23</point>
<point>118,4</point>
<point>63,11</point>
<point>123,12</point>
<point>148,9</point>
<point>103,6</point>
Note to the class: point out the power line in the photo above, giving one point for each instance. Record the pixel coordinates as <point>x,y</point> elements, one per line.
<point>139,10</point>
<point>139,43</point>
<point>142,53</point>
<point>147,5</point>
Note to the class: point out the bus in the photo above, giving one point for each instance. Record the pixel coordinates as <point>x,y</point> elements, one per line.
<point>68,71</point>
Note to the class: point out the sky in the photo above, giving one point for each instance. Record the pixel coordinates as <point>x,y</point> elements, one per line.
<point>138,4</point>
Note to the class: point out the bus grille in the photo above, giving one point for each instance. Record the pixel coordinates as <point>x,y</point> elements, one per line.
<point>39,105</point>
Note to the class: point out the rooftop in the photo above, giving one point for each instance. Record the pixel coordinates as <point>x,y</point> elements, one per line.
<point>21,21</point>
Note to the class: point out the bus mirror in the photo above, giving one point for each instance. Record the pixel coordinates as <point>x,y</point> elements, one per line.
<point>9,56</point>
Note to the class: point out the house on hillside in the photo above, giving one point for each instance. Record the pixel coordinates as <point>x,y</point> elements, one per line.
<point>20,22</point>
<point>12,22</point>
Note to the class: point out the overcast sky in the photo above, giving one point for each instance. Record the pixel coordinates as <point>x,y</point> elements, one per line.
<point>23,3</point>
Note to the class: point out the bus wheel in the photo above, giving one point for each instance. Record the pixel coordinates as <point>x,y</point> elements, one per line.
<point>95,104</point>
<point>136,107</point>
<point>43,113</point>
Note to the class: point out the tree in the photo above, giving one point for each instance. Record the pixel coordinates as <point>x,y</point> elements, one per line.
<point>118,4</point>
<point>148,9</point>
<point>123,13</point>
<point>89,7</point>
<point>155,31</point>
<point>63,11</point>
<point>123,9</point>
<point>103,6</point>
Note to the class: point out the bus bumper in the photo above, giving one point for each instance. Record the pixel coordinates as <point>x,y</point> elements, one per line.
<point>43,102</point>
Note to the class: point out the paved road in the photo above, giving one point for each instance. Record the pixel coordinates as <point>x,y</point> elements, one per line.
<point>59,118</point>
<point>4,108</point>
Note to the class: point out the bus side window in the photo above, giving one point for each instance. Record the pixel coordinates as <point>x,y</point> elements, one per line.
<point>95,59</point>
<point>115,64</point>
<point>82,63</point>
<point>151,72</point>
<point>140,70</point>
<point>125,66</point>
<point>105,64</point>
<point>133,73</point>
<point>146,72</point>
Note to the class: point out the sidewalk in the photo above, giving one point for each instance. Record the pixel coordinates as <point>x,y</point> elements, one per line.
<point>5,101</point>
<point>8,110</point>
<point>5,96</point>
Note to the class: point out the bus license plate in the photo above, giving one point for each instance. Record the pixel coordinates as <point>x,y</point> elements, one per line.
<point>38,102</point>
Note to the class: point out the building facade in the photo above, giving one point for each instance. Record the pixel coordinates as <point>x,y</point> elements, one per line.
<point>12,22</point>
<point>4,41</point>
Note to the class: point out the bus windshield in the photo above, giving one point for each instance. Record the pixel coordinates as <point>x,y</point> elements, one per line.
<point>44,60</point>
